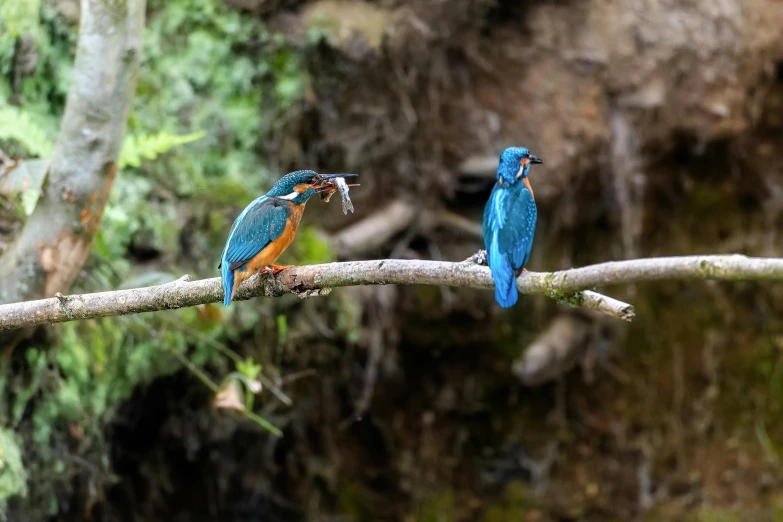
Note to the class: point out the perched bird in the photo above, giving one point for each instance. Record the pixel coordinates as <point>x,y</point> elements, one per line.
<point>510,222</point>
<point>267,226</point>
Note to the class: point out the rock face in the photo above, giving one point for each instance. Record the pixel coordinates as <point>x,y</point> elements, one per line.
<point>581,81</point>
<point>672,68</point>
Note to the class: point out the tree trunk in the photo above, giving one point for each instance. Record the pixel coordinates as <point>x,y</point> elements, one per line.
<point>56,240</point>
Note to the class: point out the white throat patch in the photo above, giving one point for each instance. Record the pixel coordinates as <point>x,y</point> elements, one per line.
<point>289,197</point>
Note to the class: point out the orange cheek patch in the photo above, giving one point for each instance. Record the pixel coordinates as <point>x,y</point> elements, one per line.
<point>301,188</point>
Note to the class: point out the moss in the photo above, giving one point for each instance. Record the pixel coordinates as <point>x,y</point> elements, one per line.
<point>575,299</point>
<point>710,270</point>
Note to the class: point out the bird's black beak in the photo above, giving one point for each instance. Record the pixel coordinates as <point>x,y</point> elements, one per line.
<point>535,159</point>
<point>332,176</point>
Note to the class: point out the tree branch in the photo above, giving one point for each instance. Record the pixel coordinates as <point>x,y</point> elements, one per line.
<point>565,286</point>
<point>733,267</point>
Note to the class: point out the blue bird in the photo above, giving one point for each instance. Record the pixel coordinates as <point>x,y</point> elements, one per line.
<point>267,227</point>
<point>510,222</point>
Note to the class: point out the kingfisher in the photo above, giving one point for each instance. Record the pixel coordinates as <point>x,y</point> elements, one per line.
<point>510,222</point>
<point>267,227</point>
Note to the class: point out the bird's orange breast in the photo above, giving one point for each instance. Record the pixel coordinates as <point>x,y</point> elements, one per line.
<point>272,251</point>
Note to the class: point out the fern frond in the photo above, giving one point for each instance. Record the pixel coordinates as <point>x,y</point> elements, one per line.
<point>143,146</point>
<point>18,125</point>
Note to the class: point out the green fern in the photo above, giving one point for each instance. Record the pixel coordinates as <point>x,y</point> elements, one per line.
<point>138,147</point>
<point>18,125</point>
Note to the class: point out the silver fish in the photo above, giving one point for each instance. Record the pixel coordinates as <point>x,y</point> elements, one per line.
<point>342,186</point>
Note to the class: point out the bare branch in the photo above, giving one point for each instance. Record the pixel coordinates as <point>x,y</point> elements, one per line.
<point>565,286</point>
<point>721,267</point>
<point>303,281</point>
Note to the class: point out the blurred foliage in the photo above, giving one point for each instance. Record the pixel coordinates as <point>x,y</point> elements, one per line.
<point>20,18</point>
<point>40,95</point>
<point>18,125</point>
<point>437,506</point>
<point>195,134</point>
<point>21,186</point>
<point>67,396</point>
<point>13,477</point>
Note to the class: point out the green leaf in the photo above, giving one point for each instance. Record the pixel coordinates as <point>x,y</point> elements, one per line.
<point>249,368</point>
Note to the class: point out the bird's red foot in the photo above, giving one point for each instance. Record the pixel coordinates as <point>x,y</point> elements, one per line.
<point>276,269</point>
<point>524,269</point>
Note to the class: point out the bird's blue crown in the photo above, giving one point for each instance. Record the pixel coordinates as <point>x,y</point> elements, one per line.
<point>286,184</point>
<point>509,164</point>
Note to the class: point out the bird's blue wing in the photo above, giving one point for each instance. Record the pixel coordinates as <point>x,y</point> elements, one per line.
<point>258,225</point>
<point>516,237</point>
<point>509,226</point>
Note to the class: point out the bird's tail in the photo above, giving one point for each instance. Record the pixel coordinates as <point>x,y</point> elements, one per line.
<point>505,283</point>
<point>228,283</point>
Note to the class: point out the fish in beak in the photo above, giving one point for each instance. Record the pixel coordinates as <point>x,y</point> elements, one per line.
<point>331,183</point>
<point>328,182</point>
